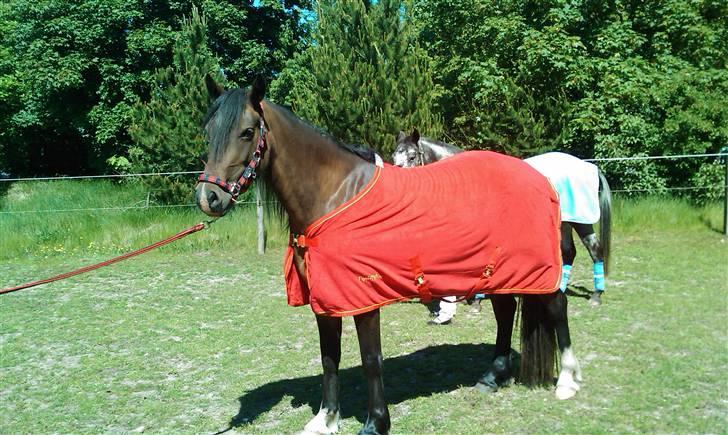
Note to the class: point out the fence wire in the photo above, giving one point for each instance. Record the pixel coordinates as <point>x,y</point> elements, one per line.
<point>119,208</point>
<point>164,174</point>
<point>159,206</point>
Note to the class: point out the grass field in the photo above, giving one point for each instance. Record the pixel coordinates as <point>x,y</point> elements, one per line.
<point>197,337</point>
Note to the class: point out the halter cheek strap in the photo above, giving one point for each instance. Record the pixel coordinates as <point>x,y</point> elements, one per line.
<point>420,154</point>
<point>248,176</point>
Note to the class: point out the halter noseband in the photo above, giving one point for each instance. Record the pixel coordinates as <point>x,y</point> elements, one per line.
<point>248,175</point>
<point>420,154</point>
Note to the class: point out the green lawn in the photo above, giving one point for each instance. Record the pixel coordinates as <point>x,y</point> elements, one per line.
<point>194,337</point>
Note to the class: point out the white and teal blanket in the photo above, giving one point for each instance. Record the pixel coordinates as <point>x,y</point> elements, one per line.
<point>576,182</point>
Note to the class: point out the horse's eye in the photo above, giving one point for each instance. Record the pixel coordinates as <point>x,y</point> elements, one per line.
<point>247,134</point>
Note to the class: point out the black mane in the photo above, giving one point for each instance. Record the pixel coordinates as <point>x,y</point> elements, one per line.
<point>428,140</point>
<point>228,108</point>
<point>362,151</point>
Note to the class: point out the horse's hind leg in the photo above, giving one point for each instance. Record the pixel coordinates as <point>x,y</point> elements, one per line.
<point>566,385</point>
<point>590,241</point>
<point>499,373</point>
<point>370,346</point>
<point>568,253</point>
<point>327,419</point>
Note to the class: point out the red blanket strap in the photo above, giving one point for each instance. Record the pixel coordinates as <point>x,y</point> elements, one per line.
<point>423,287</point>
<point>482,281</point>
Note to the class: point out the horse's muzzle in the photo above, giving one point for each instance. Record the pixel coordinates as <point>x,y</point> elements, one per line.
<point>212,200</point>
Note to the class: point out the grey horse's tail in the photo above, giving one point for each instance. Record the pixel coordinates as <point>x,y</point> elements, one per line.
<point>605,222</point>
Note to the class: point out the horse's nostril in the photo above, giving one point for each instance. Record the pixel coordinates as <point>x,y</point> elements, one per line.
<point>212,198</point>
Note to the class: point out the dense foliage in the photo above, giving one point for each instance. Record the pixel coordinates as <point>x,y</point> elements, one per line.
<point>166,129</point>
<point>364,76</point>
<point>594,78</point>
<point>71,70</point>
<point>82,80</point>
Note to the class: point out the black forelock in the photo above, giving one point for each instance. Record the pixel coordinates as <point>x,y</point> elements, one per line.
<point>224,112</point>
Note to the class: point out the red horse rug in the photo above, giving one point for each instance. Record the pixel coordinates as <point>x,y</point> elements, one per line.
<point>478,222</point>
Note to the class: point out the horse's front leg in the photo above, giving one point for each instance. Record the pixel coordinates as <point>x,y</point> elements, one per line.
<point>570,374</point>
<point>499,374</point>
<point>370,346</point>
<point>327,419</point>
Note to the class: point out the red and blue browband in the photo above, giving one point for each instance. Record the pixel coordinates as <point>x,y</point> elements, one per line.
<point>248,175</point>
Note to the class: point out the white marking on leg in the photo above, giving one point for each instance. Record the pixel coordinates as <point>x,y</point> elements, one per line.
<point>567,386</point>
<point>325,422</point>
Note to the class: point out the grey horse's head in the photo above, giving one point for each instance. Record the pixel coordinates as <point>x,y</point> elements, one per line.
<point>416,150</point>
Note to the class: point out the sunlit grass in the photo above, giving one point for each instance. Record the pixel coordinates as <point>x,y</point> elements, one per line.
<point>192,337</point>
<point>41,219</point>
<point>655,213</point>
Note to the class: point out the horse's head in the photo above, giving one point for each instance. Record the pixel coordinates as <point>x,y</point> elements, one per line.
<point>408,152</point>
<point>234,129</point>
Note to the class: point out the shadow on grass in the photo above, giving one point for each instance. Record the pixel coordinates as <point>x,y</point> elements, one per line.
<point>705,220</point>
<point>421,373</point>
<point>4,188</point>
<point>578,291</point>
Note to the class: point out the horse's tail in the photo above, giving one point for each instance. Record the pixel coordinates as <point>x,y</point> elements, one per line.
<point>538,343</point>
<point>605,222</point>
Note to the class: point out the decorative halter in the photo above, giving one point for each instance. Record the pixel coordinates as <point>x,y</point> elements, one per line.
<point>248,175</point>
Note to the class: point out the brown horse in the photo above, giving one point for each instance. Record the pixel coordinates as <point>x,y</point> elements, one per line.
<point>312,174</point>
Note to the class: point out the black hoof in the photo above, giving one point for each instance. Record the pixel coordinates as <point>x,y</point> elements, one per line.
<point>498,375</point>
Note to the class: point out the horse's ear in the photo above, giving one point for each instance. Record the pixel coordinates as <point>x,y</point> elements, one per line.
<point>415,135</point>
<point>400,136</point>
<point>257,92</point>
<point>214,90</point>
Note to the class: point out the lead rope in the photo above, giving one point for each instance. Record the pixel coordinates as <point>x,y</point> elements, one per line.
<point>193,229</point>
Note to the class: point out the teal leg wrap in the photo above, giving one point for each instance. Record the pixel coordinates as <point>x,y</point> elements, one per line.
<point>599,276</point>
<point>565,275</point>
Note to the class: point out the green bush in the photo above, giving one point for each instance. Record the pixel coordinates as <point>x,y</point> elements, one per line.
<point>710,182</point>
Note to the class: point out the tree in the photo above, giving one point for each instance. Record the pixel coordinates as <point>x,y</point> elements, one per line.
<point>166,129</point>
<point>75,68</point>
<point>594,78</point>
<point>256,37</point>
<point>9,95</point>
<point>363,77</point>
<point>494,99</point>
<point>77,64</point>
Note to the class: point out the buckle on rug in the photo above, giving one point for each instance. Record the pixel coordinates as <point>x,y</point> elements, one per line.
<point>300,241</point>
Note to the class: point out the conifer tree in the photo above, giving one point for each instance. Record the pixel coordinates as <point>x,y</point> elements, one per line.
<point>364,77</point>
<point>166,129</point>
